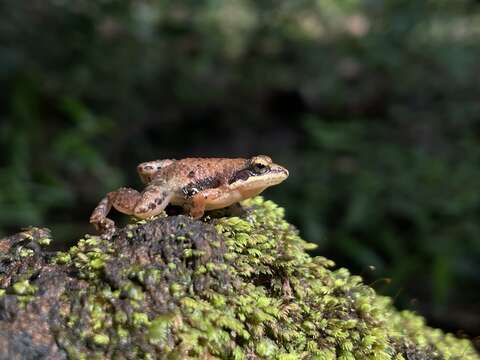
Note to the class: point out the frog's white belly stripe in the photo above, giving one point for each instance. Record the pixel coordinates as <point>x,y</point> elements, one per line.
<point>224,200</point>
<point>231,197</point>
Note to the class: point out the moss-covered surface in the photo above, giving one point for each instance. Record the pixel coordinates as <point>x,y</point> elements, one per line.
<point>175,288</point>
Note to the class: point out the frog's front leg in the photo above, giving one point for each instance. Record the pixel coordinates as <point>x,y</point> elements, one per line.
<point>201,201</point>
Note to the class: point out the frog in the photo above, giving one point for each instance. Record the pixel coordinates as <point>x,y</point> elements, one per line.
<point>194,184</point>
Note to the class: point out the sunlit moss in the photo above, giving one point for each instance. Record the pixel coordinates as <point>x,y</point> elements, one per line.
<point>290,305</point>
<point>25,252</point>
<point>101,339</point>
<point>44,241</point>
<point>261,295</point>
<point>23,288</point>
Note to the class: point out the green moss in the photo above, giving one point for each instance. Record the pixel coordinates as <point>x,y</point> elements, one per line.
<point>101,339</point>
<point>62,258</point>
<point>88,256</point>
<point>133,292</point>
<point>44,241</point>
<point>175,289</point>
<point>251,289</point>
<point>140,319</point>
<point>23,288</point>
<point>266,348</point>
<point>305,307</point>
<point>97,264</point>
<point>23,252</point>
<point>160,328</point>
<point>120,317</point>
<point>122,333</point>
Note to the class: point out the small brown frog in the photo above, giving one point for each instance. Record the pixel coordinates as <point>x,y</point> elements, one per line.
<point>195,184</point>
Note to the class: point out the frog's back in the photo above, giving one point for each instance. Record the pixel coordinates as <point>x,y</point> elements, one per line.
<point>191,170</point>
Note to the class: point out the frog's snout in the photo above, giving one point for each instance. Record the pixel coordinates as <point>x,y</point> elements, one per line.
<point>280,170</point>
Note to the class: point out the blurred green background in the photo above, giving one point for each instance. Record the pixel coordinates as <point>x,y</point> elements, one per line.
<point>374,106</point>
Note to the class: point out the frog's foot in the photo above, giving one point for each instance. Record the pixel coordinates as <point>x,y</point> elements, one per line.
<point>197,208</point>
<point>99,217</point>
<point>106,228</point>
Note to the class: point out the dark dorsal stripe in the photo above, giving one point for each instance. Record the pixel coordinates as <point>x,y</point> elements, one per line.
<point>199,185</point>
<point>241,175</point>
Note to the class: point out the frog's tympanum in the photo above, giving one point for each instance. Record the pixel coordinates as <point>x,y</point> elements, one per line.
<point>195,184</point>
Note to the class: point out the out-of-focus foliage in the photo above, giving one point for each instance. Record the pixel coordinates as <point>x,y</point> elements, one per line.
<point>374,106</point>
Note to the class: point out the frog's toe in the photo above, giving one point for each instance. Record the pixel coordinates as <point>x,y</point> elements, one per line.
<point>104,225</point>
<point>107,224</point>
<point>108,234</point>
<point>196,212</point>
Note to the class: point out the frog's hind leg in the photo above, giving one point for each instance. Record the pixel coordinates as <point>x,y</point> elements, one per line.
<point>152,202</point>
<point>148,169</point>
<point>124,200</point>
<point>130,202</point>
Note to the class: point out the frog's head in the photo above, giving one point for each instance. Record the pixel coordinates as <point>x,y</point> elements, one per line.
<point>258,173</point>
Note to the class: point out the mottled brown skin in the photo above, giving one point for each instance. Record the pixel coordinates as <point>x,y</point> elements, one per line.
<point>196,184</point>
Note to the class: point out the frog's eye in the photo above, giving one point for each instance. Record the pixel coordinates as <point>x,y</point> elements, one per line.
<point>259,168</point>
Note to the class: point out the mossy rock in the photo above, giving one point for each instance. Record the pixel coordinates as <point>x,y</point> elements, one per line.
<point>240,287</point>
